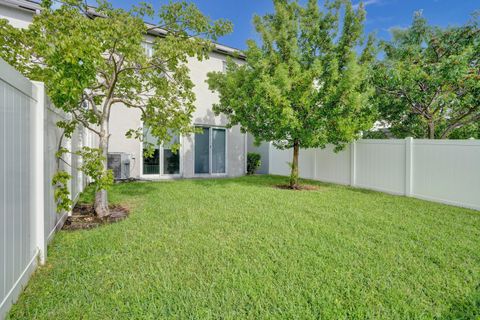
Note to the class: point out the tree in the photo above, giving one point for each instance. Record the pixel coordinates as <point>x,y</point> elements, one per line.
<point>93,60</point>
<point>428,84</point>
<point>11,45</point>
<point>305,86</point>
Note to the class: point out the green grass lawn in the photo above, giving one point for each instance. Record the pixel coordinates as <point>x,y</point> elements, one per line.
<point>239,248</point>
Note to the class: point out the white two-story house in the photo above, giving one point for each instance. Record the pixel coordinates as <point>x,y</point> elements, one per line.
<point>213,152</point>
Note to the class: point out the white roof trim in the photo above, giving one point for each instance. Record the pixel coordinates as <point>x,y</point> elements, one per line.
<point>34,6</point>
<point>22,4</point>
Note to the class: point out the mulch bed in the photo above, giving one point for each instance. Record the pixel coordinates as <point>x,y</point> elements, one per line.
<point>83,217</point>
<point>302,187</point>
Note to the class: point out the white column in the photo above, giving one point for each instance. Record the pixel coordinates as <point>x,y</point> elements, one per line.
<point>245,152</point>
<point>68,168</point>
<point>269,155</point>
<point>353,165</point>
<point>81,141</point>
<point>37,170</point>
<point>408,166</point>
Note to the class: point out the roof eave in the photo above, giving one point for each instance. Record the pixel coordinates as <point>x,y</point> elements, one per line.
<point>152,30</point>
<point>23,5</point>
<point>219,48</point>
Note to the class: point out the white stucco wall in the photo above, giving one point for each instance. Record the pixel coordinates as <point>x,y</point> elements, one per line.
<point>236,141</point>
<point>123,119</point>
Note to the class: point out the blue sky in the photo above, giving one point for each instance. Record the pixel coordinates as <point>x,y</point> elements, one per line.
<point>381,14</point>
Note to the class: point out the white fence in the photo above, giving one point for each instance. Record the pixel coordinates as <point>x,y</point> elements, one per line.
<point>446,171</point>
<point>29,139</point>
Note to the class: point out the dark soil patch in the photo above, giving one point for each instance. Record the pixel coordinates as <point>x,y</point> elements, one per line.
<point>302,187</point>
<point>83,217</point>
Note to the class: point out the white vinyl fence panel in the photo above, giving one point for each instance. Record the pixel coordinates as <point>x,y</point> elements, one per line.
<point>29,140</point>
<point>17,249</point>
<point>446,171</point>
<point>331,166</point>
<point>279,159</point>
<point>53,140</point>
<point>306,160</point>
<point>380,165</point>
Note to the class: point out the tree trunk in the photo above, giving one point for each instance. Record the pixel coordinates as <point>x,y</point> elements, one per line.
<point>431,130</point>
<point>101,203</point>
<point>101,196</point>
<point>294,172</point>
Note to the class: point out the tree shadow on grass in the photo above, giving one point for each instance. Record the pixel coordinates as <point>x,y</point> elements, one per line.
<point>255,181</point>
<point>367,191</point>
<point>125,189</point>
<point>139,188</point>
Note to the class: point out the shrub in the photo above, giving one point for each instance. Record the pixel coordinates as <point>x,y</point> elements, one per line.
<point>253,162</point>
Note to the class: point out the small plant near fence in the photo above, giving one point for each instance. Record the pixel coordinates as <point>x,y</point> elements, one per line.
<point>92,166</point>
<point>253,162</point>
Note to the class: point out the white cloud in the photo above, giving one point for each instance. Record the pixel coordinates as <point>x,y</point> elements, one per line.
<point>395,27</point>
<point>367,3</point>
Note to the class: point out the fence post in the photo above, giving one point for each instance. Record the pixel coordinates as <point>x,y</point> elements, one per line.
<point>353,166</point>
<point>408,166</point>
<point>81,141</point>
<point>67,167</point>
<point>37,172</point>
<point>269,157</point>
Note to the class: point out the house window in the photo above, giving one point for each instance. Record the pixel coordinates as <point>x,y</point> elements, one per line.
<point>148,47</point>
<point>163,161</point>
<point>210,151</point>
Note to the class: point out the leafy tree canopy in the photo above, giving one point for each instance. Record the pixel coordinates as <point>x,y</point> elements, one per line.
<point>428,84</point>
<point>304,85</point>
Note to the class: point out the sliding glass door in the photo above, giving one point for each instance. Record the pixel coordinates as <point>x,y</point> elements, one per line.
<point>151,164</point>
<point>218,151</point>
<point>163,161</point>
<point>210,151</point>
<point>171,160</point>
<point>202,151</point>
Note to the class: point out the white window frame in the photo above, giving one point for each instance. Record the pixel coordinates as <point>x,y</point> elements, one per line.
<point>224,66</point>
<point>210,158</point>
<point>148,47</point>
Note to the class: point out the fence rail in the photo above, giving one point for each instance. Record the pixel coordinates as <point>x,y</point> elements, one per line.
<point>446,171</point>
<point>29,139</point>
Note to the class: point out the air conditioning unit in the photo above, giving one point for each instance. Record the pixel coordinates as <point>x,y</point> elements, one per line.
<point>119,163</point>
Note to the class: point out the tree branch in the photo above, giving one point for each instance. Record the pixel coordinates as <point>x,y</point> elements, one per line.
<point>457,123</point>
<point>83,122</point>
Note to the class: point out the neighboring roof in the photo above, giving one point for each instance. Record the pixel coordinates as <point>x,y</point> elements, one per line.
<point>220,48</point>
<point>28,5</point>
<point>34,6</point>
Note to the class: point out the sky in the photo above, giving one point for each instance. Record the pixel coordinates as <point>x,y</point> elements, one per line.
<point>382,15</point>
